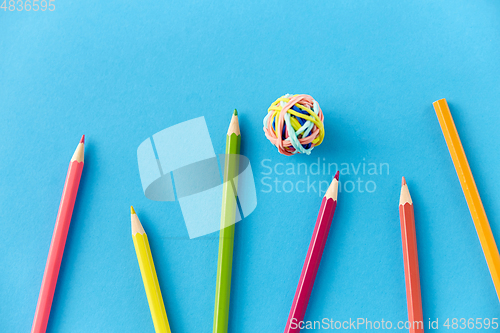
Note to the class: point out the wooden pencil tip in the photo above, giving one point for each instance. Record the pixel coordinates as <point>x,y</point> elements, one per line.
<point>132,211</point>
<point>136,224</point>
<point>405,196</point>
<point>403,182</point>
<point>333,189</point>
<point>234,126</point>
<point>79,153</point>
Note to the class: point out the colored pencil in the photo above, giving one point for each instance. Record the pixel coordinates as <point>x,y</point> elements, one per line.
<point>226,235</point>
<point>58,242</point>
<point>313,257</point>
<point>149,278</point>
<point>470,191</point>
<point>410,256</point>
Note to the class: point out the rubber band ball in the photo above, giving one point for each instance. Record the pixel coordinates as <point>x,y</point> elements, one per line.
<point>294,124</point>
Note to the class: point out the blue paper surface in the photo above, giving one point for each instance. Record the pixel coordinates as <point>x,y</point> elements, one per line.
<point>119,72</point>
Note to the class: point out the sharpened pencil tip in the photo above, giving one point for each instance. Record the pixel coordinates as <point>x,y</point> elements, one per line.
<point>333,189</point>
<point>136,224</point>
<point>234,126</point>
<point>82,140</point>
<point>405,196</point>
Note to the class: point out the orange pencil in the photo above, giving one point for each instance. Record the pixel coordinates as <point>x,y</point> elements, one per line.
<point>410,255</point>
<point>58,240</point>
<point>470,191</point>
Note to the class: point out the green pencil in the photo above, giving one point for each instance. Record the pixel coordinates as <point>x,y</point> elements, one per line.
<point>226,236</point>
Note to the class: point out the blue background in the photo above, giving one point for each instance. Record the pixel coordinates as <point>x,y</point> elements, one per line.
<point>122,71</point>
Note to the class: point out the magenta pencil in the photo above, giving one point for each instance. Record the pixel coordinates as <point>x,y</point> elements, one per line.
<point>313,257</point>
<point>58,240</point>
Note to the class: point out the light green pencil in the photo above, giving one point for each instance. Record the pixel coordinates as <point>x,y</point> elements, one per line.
<point>226,236</point>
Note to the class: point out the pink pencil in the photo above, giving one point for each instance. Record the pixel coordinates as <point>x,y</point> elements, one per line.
<point>313,257</point>
<point>58,240</point>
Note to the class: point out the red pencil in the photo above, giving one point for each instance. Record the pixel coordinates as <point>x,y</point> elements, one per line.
<point>313,257</point>
<point>410,255</point>
<point>58,240</point>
